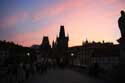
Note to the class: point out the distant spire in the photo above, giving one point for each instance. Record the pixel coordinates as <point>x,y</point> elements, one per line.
<point>103,41</point>
<point>86,40</point>
<point>62,31</point>
<point>53,43</point>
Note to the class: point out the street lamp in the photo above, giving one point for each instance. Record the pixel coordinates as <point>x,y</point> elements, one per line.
<point>72,54</point>
<point>28,54</point>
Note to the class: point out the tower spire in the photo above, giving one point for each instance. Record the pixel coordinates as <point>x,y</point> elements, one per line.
<point>62,31</point>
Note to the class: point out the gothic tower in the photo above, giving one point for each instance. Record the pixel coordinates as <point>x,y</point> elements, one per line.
<point>62,46</point>
<point>62,40</point>
<point>45,48</point>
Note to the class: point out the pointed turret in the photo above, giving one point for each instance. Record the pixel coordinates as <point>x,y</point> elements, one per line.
<point>62,31</point>
<point>62,40</point>
<point>53,44</point>
<point>45,47</point>
<point>62,46</point>
<point>45,41</point>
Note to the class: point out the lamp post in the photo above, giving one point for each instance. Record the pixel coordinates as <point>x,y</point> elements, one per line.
<point>28,54</point>
<point>72,55</point>
<point>28,57</point>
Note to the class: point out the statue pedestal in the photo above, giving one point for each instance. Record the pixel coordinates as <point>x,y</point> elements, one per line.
<point>122,50</point>
<point>121,67</point>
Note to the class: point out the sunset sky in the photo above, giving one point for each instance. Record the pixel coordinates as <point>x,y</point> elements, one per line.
<point>26,21</point>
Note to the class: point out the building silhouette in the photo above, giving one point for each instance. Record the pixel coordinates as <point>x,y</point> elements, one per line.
<point>45,49</point>
<point>105,54</point>
<point>60,47</point>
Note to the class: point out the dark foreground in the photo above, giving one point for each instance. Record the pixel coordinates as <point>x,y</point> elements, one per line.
<point>63,76</point>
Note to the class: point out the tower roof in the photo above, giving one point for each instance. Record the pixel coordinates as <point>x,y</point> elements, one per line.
<point>62,31</point>
<point>45,40</point>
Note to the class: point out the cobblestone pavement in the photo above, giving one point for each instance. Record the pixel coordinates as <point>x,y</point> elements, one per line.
<point>63,76</point>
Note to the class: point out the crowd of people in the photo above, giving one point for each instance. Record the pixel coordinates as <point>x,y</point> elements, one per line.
<point>18,73</point>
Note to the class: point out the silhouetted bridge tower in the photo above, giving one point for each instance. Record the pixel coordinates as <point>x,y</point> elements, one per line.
<point>61,47</point>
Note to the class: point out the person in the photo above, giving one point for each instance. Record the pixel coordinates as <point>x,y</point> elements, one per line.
<point>121,23</point>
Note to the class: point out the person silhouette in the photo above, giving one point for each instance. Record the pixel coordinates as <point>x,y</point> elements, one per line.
<point>121,23</point>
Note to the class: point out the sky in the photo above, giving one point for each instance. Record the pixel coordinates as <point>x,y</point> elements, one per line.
<point>25,22</point>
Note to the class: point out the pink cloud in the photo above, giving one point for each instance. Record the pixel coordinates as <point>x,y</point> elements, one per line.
<point>57,9</point>
<point>82,5</point>
<point>109,2</point>
<point>11,21</point>
<point>30,38</point>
